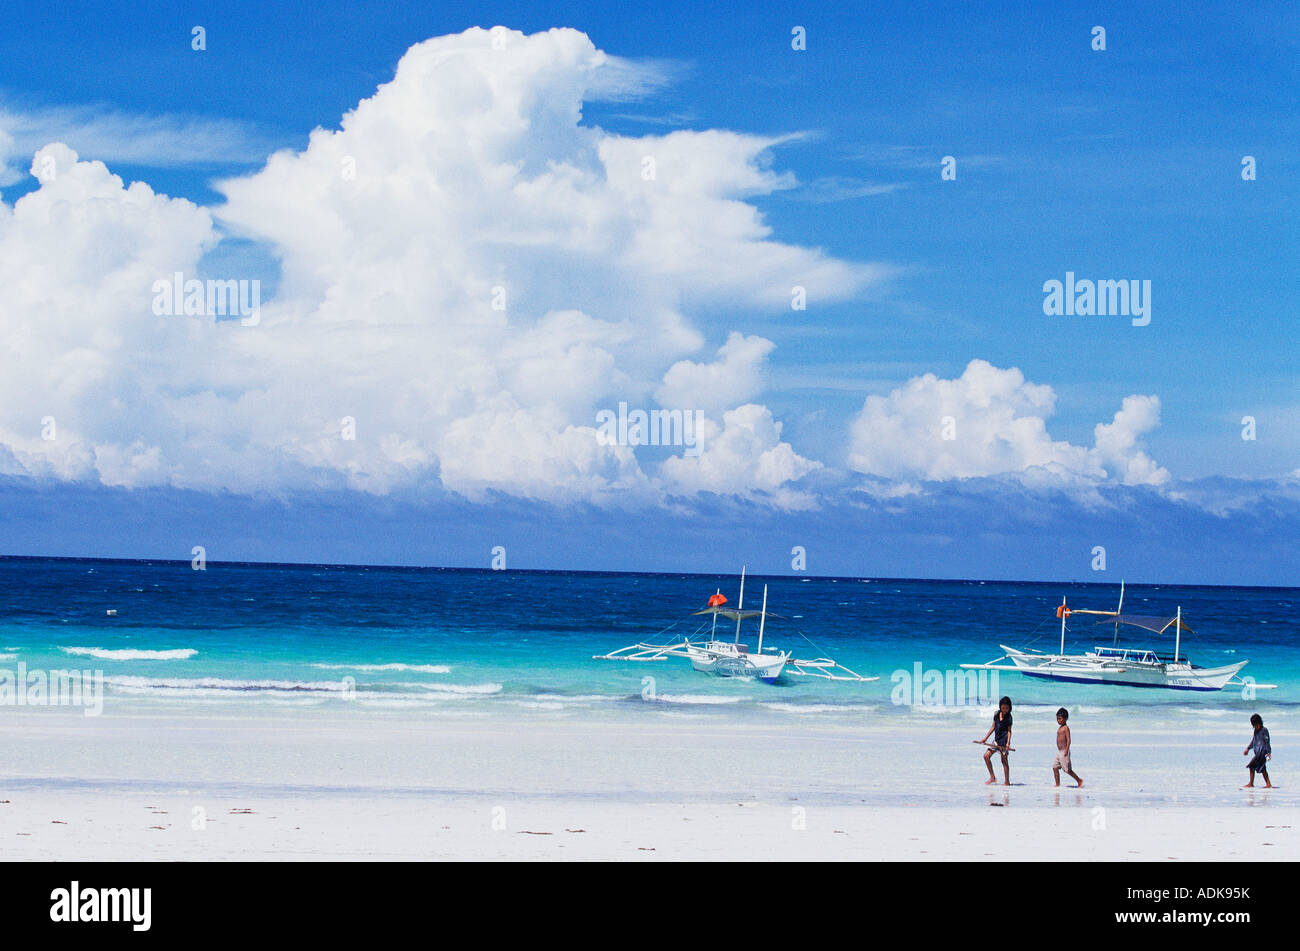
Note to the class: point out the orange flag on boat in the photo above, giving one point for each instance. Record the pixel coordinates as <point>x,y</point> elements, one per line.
<point>717,599</point>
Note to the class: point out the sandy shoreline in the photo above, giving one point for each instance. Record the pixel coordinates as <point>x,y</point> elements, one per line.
<point>149,785</point>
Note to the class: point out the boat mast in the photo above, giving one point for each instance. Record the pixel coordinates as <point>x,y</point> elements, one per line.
<point>740,605</point>
<point>1062,625</point>
<point>1178,631</point>
<point>761,619</point>
<point>1118,611</point>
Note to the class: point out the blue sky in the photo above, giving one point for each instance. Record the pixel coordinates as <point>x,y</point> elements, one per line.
<point>1116,164</point>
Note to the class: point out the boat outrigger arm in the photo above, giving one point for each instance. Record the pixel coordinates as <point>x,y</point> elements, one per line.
<point>822,667</point>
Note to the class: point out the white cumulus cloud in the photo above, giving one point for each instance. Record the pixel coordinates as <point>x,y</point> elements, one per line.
<point>1118,442</point>
<point>734,377</point>
<point>745,450</point>
<point>991,421</point>
<point>467,275</point>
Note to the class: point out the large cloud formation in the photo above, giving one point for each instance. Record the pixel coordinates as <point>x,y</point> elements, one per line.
<point>468,274</point>
<point>992,422</point>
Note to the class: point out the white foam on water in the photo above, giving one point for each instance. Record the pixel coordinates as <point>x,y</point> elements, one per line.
<point>295,701</point>
<point>6,658</point>
<point>817,707</point>
<point>1206,711</point>
<point>696,698</point>
<point>214,684</point>
<point>460,689</point>
<point>981,712</point>
<point>211,695</point>
<point>1021,713</point>
<point>200,698</point>
<point>416,668</point>
<point>315,691</point>
<point>1042,709</point>
<point>391,703</point>
<point>104,653</point>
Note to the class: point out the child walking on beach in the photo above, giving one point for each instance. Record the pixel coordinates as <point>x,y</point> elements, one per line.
<point>1259,745</point>
<point>1001,733</point>
<point>1062,761</point>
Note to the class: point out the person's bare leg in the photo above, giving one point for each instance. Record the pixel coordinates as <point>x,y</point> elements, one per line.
<point>1264,772</point>
<point>1006,769</point>
<point>1251,784</point>
<point>988,761</point>
<point>1056,774</point>
<point>1074,776</point>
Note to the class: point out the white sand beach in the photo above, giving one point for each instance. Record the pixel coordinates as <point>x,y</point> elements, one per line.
<point>295,786</point>
<point>135,826</point>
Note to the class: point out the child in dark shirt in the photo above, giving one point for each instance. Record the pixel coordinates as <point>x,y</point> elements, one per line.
<point>1263,751</point>
<point>1001,733</point>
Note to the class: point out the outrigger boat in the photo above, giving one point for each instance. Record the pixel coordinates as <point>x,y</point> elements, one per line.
<point>1129,667</point>
<point>723,658</point>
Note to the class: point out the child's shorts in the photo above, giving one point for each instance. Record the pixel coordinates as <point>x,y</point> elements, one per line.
<point>1257,763</point>
<point>1062,761</point>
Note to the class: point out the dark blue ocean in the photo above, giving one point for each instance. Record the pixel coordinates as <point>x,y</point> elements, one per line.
<point>461,642</point>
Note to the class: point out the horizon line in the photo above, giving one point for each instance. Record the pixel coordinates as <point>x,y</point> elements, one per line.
<point>617,571</point>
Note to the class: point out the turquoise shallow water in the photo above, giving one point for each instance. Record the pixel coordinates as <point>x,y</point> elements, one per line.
<point>457,643</point>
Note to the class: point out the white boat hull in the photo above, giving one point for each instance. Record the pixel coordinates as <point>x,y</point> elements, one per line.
<point>725,660</point>
<point>1089,669</point>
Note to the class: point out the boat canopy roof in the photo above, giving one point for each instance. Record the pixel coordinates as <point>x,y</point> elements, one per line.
<point>1157,624</point>
<point>733,614</point>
